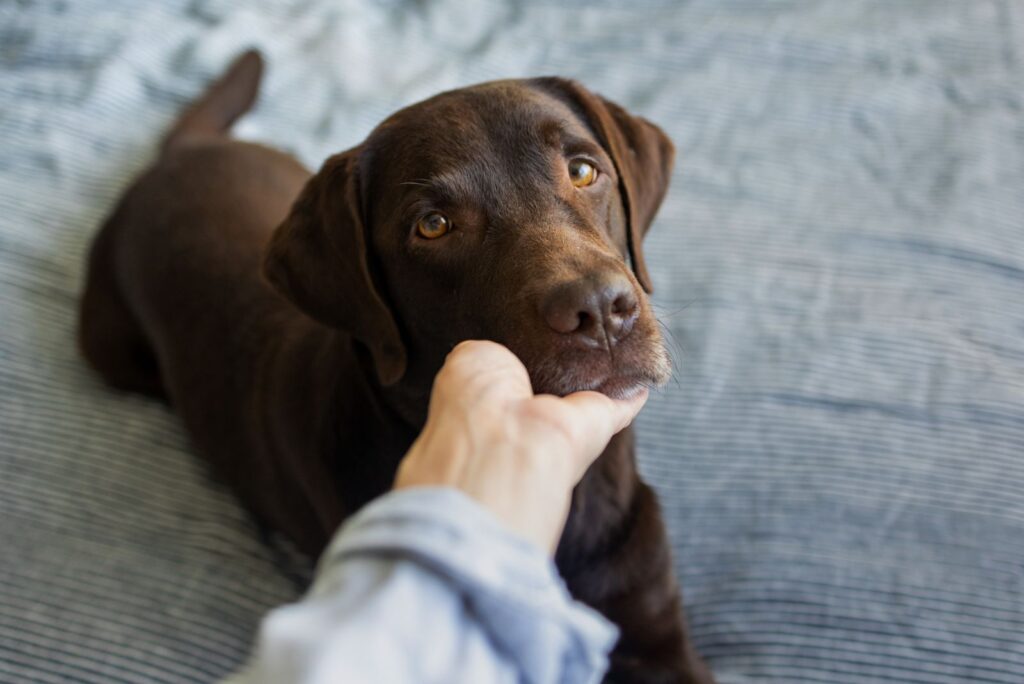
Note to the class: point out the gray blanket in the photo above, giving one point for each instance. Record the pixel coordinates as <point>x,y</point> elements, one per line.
<point>840,263</point>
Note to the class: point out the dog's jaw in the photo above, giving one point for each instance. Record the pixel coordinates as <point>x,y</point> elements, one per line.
<point>619,375</point>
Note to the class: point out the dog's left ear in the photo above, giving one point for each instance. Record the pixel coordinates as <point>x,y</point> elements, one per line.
<point>642,154</point>
<point>319,260</point>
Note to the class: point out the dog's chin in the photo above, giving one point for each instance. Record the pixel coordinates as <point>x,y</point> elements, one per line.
<point>614,386</point>
<point>616,380</point>
<point>624,388</point>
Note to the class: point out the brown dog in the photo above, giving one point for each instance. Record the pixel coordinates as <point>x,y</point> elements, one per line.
<point>504,211</point>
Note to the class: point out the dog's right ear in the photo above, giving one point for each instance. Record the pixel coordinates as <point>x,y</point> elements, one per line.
<point>318,260</point>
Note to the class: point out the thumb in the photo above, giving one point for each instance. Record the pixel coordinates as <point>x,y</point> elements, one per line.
<point>595,418</point>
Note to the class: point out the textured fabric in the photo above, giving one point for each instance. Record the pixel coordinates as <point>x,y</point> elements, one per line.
<point>431,559</point>
<point>839,264</point>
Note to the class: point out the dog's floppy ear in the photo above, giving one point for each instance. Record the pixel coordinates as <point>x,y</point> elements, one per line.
<point>318,260</point>
<point>643,157</point>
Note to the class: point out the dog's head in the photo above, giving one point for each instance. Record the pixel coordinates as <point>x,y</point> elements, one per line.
<point>512,211</point>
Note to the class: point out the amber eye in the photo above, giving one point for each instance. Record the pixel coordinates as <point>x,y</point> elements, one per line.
<point>582,173</point>
<point>433,226</point>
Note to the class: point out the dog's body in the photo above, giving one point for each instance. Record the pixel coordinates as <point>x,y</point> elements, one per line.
<point>305,405</point>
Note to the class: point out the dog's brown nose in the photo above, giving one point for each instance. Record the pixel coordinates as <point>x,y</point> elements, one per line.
<point>596,312</point>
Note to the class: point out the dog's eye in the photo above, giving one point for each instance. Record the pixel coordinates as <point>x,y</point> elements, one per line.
<point>433,225</point>
<point>582,173</point>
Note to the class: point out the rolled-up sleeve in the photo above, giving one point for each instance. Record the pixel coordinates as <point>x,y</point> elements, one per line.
<point>424,585</point>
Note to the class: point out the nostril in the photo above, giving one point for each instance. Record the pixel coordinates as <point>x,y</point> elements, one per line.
<point>622,312</point>
<point>624,305</point>
<point>584,321</point>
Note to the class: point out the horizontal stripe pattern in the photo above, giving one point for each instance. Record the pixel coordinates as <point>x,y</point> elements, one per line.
<point>839,270</point>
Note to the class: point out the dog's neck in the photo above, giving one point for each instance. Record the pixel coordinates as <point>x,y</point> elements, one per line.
<point>335,425</point>
<point>408,399</point>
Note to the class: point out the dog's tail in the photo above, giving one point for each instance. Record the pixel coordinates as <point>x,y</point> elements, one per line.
<point>222,104</point>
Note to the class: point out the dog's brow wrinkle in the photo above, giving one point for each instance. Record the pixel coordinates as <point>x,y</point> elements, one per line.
<point>440,186</point>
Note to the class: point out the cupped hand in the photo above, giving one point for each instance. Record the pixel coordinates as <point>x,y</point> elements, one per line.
<point>516,453</point>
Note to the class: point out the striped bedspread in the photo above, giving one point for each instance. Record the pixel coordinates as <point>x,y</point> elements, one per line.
<point>840,266</point>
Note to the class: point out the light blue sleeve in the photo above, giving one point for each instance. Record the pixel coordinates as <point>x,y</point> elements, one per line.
<point>424,585</point>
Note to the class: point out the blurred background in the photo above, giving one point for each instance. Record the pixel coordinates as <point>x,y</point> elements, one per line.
<point>839,262</point>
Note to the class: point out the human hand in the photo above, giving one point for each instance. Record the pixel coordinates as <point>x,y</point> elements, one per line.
<point>516,453</point>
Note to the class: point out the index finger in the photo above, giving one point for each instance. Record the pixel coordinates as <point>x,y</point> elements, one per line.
<point>476,366</point>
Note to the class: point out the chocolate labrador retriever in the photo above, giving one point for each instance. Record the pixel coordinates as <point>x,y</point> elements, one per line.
<point>296,322</point>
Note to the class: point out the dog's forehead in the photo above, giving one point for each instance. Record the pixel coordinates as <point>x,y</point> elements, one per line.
<point>501,120</point>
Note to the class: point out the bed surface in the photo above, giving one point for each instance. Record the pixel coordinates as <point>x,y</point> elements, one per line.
<point>840,263</point>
